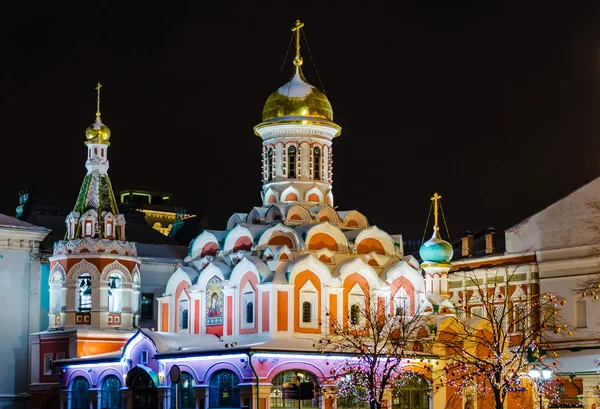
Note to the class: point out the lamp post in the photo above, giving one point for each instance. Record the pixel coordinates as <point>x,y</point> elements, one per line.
<point>540,378</point>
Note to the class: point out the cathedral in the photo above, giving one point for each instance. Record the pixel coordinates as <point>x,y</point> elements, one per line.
<point>240,314</point>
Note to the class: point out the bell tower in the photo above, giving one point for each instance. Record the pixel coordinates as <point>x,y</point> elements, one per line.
<point>94,272</point>
<point>297,132</point>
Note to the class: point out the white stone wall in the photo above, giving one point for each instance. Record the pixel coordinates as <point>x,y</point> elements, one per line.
<point>20,286</point>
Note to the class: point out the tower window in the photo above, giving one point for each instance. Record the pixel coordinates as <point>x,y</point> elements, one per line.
<point>84,289</point>
<point>270,164</point>
<point>291,162</point>
<point>317,163</point>
<point>114,293</point>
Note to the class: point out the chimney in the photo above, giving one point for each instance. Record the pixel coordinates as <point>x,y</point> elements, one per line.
<point>490,240</point>
<point>467,244</point>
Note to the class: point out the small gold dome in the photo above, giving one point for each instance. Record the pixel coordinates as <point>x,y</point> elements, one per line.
<point>97,130</point>
<point>297,98</point>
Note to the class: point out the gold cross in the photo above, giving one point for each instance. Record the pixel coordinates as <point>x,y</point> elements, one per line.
<point>296,28</point>
<point>436,198</point>
<point>98,99</point>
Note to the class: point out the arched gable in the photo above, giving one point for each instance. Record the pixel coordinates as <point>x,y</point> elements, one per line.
<point>138,339</point>
<point>357,265</point>
<point>325,235</point>
<point>354,218</point>
<point>237,239</point>
<point>299,214</point>
<point>280,235</point>
<point>312,194</point>
<point>290,194</point>
<point>116,266</point>
<point>242,268</point>
<point>59,271</point>
<point>373,239</point>
<point>309,262</point>
<point>175,280</point>
<point>83,267</point>
<point>328,214</point>
<point>271,196</point>
<point>208,273</point>
<point>205,244</point>
<point>273,214</point>
<point>235,219</point>
<point>401,268</point>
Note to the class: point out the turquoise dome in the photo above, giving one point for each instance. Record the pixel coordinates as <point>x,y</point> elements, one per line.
<point>436,250</point>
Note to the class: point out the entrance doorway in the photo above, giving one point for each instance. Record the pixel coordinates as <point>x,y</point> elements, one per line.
<point>143,390</point>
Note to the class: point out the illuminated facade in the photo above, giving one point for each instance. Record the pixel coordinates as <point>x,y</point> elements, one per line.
<point>240,314</point>
<point>249,301</point>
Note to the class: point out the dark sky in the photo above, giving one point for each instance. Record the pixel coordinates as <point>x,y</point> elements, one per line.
<point>495,105</point>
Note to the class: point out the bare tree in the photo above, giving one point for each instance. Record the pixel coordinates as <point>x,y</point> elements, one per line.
<point>377,341</point>
<point>494,338</point>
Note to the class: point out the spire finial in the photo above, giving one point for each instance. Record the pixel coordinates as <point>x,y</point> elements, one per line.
<point>98,100</point>
<point>435,198</point>
<point>297,59</point>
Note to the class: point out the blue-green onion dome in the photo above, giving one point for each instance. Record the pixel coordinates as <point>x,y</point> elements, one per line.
<point>436,250</point>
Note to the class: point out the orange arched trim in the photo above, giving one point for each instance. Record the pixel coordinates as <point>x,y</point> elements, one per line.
<point>322,241</point>
<point>369,245</point>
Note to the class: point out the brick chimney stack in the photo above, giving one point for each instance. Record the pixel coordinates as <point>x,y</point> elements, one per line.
<point>467,244</point>
<point>490,240</point>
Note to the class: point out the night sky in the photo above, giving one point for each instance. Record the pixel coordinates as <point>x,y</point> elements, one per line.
<point>493,105</point>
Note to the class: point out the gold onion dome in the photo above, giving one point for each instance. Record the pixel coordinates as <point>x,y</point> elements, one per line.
<point>297,98</point>
<point>98,130</point>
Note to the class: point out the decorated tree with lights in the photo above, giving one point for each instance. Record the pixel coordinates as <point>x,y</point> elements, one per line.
<point>495,337</point>
<point>378,344</point>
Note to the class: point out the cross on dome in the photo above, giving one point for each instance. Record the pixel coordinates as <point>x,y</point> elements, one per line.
<point>298,59</point>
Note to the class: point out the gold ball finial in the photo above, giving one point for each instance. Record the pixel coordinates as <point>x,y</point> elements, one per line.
<point>298,61</point>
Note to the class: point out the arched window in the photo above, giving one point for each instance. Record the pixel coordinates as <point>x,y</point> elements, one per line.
<point>250,312</point>
<point>111,393</point>
<point>411,392</point>
<point>270,164</point>
<point>184,319</point>
<point>186,396</point>
<point>291,162</point>
<point>79,394</point>
<point>115,302</point>
<point>355,314</point>
<point>277,398</point>
<point>223,390</point>
<point>306,311</point>
<point>56,302</point>
<point>316,163</point>
<point>84,293</point>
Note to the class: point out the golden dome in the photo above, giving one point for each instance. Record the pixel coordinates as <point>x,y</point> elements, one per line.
<point>97,130</point>
<point>297,98</point>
